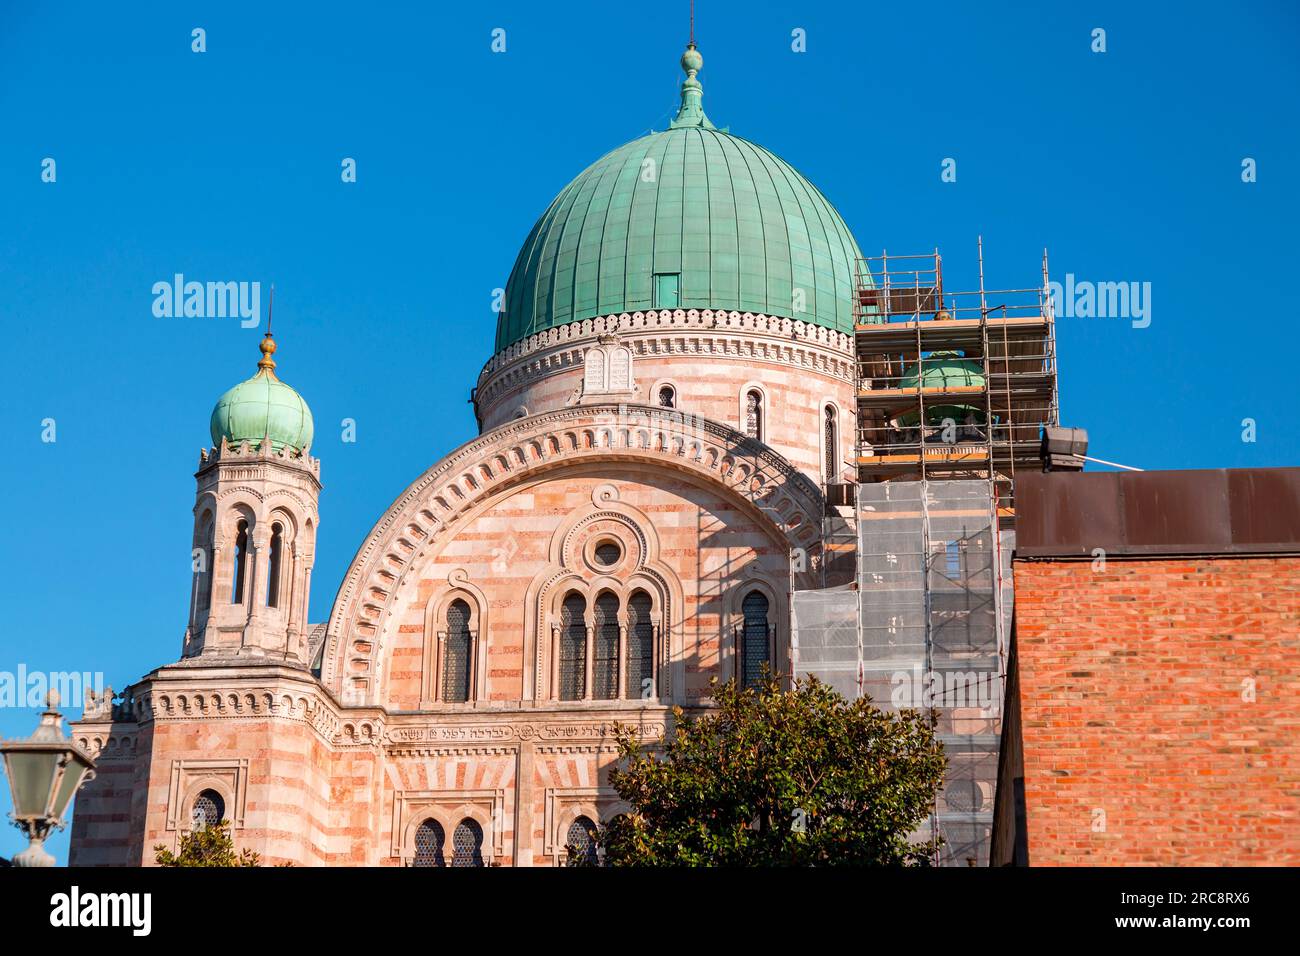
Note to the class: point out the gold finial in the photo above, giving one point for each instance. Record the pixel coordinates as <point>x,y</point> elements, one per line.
<point>267,348</point>
<point>267,364</point>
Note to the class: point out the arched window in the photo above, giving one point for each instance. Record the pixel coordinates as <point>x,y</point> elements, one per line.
<point>754,414</point>
<point>203,583</point>
<point>209,810</point>
<point>604,669</point>
<point>830,442</point>
<point>457,653</point>
<point>754,642</point>
<point>581,842</point>
<point>467,844</point>
<point>667,396</point>
<point>429,841</point>
<point>640,648</point>
<point>573,648</point>
<point>273,566</point>
<point>241,561</point>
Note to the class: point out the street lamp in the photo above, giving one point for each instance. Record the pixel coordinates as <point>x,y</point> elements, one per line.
<point>44,771</point>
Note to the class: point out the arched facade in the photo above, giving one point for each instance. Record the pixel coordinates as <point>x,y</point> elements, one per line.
<point>618,535</point>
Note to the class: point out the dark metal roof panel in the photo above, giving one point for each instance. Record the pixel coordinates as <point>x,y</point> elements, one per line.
<point>1211,511</point>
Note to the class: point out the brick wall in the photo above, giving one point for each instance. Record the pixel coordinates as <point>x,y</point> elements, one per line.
<point>1160,711</point>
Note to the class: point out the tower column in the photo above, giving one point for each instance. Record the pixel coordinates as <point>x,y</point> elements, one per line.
<point>255,590</point>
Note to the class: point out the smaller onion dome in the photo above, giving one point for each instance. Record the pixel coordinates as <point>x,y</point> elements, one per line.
<point>945,370</point>
<point>263,407</point>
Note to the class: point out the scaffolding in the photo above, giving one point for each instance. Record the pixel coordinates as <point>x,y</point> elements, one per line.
<point>954,389</point>
<point>951,384</point>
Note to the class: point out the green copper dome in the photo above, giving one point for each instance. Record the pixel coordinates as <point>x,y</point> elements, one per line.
<point>945,370</point>
<point>263,407</point>
<point>691,218</point>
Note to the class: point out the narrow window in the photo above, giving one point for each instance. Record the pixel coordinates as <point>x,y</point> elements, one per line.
<point>573,648</point>
<point>207,531</point>
<point>457,653</point>
<point>952,557</point>
<point>467,844</point>
<point>754,414</point>
<point>209,810</point>
<point>581,842</point>
<point>667,397</point>
<point>754,643</point>
<point>829,439</point>
<point>604,671</point>
<point>667,290</point>
<point>640,648</point>
<point>429,840</point>
<point>241,560</point>
<point>273,580</point>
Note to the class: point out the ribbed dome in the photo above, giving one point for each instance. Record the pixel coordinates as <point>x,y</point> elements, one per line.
<point>737,226</point>
<point>263,407</point>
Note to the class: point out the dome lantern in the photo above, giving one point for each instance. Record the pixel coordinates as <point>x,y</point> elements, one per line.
<point>691,112</point>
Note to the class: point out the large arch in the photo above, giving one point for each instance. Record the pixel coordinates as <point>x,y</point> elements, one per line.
<point>761,481</point>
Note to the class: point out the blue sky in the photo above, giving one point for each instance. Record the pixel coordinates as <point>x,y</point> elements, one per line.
<point>225,165</point>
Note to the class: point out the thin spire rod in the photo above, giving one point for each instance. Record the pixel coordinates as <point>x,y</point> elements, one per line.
<point>270,307</point>
<point>692,22</point>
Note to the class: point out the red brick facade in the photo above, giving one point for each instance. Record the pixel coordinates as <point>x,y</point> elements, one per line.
<point>1159,710</point>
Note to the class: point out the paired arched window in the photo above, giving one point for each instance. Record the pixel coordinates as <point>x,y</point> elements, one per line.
<point>457,653</point>
<point>581,842</point>
<point>573,648</point>
<point>755,640</point>
<point>467,844</point>
<point>615,650</point>
<point>208,811</point>
<point>830,444</point>
<point>754,414</point>
<point>274,565</point>
<point>429,841</point>
<point>241,562</point>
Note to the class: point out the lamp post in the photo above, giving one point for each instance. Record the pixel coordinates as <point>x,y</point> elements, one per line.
<point>44,770</point>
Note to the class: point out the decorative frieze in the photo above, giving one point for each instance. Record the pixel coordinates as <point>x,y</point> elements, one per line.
<point>694,333</point>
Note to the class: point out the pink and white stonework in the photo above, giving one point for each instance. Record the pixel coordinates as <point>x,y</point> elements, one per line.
<point>332,744</point>
<point>643,497</point>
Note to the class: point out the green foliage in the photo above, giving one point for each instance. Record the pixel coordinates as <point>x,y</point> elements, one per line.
<point>207,846</point>
<point>778,778</point>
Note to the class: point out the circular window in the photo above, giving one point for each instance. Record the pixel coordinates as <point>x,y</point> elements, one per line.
<point>964,796</point>
<point>607,553</point>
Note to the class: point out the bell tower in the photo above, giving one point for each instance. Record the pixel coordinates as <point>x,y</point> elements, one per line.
<point>255,520</point>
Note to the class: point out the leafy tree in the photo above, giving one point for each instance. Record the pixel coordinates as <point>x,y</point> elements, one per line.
<point>210,845</point>
<point>778,778</point>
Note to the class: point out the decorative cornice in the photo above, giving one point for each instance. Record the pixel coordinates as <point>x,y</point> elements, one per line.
<point>681,332</point>
<point>246,453</point>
